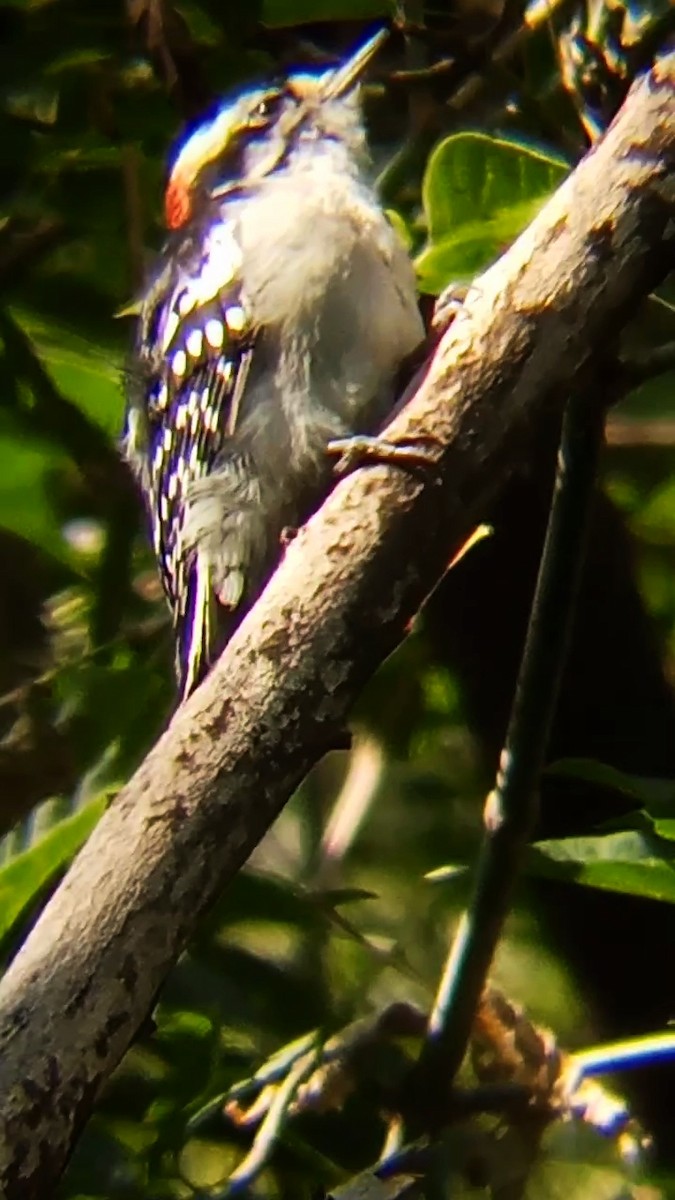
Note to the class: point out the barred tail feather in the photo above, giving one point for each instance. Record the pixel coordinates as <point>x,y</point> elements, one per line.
<point>196,632</point>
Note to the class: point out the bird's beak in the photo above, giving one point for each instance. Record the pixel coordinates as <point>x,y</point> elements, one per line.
<point>344,78</point>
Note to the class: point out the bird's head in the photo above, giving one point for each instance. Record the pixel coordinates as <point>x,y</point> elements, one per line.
<point>247,137</point>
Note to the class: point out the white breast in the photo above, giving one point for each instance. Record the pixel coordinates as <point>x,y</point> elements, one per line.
<point>323,266</point>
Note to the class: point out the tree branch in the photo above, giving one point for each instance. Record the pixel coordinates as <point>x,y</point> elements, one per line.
<point>341,601</point>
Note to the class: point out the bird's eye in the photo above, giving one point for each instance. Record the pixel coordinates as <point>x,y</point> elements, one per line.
<point>266,108</point>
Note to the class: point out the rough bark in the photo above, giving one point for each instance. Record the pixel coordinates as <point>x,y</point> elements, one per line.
<point>341,601</point>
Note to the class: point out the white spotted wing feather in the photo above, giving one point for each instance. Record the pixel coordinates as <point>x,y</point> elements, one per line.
<point>191,358</point>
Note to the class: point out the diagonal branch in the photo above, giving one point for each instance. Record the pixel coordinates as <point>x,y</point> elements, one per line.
<point>341,601</point>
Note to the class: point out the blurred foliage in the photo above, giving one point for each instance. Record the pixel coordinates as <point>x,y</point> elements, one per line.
<point>474,117</point>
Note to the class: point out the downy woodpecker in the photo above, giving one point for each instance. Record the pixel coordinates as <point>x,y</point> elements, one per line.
<point>274,322</point>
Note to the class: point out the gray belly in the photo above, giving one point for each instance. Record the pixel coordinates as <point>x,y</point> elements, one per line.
<point>333,298</point>
<point>332,372</point>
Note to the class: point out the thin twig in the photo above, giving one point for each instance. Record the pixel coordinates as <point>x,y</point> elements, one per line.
<point>639,368</point>
<point>511,808</point>
<point>641,432</point>
<point>268,1134</point>
<point>618,1056</point>
<point>362,781</point>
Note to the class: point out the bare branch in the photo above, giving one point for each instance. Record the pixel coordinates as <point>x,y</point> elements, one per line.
<point>341,601</point>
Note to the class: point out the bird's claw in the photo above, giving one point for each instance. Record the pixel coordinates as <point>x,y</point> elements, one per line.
<point>419,453</point>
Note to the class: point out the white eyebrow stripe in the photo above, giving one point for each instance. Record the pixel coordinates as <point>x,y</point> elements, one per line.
<point>212,136</point>
<point>203,145</point>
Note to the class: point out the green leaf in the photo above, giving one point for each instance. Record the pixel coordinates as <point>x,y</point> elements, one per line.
<point>656,796</point>
<point>478,193</point>
<point>298,12</point>
<point>201,26</point>
<point>25,876</point>
<point>88,375</point>
<point>335,897</point>
<point>553,1179</point>
<point>602,774</point>
<point>632,862</point>
<point>665,829</point>
<point>402,228</point>
<point>446,873</point>
<point>27,466</point>
<point>576,1161</point>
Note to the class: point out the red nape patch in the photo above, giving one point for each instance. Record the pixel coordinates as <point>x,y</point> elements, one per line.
<point>176,205</point>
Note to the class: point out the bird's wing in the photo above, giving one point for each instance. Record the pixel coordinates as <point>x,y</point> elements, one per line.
<point>194,351</point>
